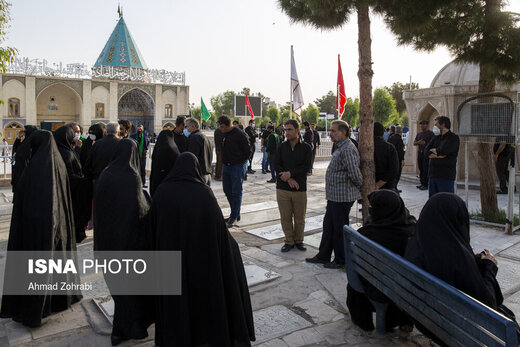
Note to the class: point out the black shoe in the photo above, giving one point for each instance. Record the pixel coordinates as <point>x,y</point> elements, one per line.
<point>420,186</point>
<point>263,171</point>
<point>145,186</point>
<point>251,171</point>
<point>287,248</point>
<point>423,188</point>
<point>230,223</point>
<point>315,260</point>
<point>300,246</point>
<point>333,265</point>
<point>245,178</point>
<point>116,340</point>
<point>268,171</point>
<point>272,180</point>
<point>238,219</point>
<point>399,191</point>
<point>502,192</point>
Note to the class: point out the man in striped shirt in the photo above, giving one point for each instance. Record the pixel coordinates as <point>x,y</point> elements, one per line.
<point>342,182</point>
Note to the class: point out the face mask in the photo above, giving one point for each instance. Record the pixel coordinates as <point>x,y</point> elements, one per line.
<point>122,133</point>
<point>76,136</point>
<point>436,131</point>
<point>186,132</point>
<point>139,131</point>
<point>92,137</point>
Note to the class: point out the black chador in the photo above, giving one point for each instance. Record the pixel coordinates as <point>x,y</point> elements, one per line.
<point>214,308</point>
<point>42,220</point>
<point>121,224</point>
<point>22,156</point>
<point>96,130</point>
<point>80,187</point>
<point>164,155</point>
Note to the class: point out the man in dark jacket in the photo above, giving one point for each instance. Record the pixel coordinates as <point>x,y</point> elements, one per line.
<point>385,159</point>
<point>199,145</point>
<point>251,133</point>
<point>315,143</point>
<point>396,139</point>
<point>271,147</point>
<point>218,138</point>
<point>102,152</point>
<point>143,142</point>
<point>178,134</point>
<point>292,162</point>
<point>235,153</point>
<point>308,138</point>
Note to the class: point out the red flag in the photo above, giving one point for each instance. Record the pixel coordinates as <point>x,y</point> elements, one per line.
<point>248,104</point>
<point>341,98</point>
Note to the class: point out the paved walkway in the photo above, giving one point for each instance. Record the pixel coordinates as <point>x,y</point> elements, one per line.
<point>294,303</point>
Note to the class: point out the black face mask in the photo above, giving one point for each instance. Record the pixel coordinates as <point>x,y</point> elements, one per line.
<point>140,132</point>
<point>122,133</point>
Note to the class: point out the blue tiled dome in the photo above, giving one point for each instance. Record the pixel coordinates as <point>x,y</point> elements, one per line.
<point>120,49</point>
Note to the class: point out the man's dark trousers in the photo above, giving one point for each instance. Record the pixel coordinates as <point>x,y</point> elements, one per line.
<point>336,216</point>
<point>143,169</point>
<point>423,162</point>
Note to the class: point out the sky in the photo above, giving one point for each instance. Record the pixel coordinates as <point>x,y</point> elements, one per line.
<point>220,45</point>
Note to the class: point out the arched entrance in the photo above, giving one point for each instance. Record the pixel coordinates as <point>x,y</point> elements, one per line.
<point>168,126</point>
<point>56,105</point>
<point>138,107</point>
<point>428,113</point>
<point>11,131</point>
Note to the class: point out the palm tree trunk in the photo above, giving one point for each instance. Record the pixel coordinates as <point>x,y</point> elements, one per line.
<point>366,113</point>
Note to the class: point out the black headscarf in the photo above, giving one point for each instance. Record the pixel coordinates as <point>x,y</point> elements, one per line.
<point>22,156</point>
<point>164,155</point>
<point>42,219</point>
<point>441,247</point>
<point>97,130</point>
<point>214,308</point>
<point>80,187</point>
<point>121,223</point>
<point>390,224</point>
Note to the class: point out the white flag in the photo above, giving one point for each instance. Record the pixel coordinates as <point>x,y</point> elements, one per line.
<point>297,97</point>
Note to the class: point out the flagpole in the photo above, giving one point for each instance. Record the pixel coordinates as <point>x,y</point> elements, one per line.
<point>290,86</point>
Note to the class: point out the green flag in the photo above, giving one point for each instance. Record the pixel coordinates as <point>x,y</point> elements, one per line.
<point>204,111</point>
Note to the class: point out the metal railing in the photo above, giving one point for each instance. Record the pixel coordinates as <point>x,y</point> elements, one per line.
<point>6,159</point>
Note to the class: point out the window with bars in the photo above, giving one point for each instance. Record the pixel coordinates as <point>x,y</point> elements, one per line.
<point>100,110</point>
<point>168,108</point>
<point>14,107</point>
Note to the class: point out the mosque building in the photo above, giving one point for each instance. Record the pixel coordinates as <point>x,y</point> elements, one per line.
<point>118,86</point>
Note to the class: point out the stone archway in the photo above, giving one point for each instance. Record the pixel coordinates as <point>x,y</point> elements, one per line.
<point>428,113</point>
<point>58,103</point>
<point>11,131</point>
<point>137,107</point>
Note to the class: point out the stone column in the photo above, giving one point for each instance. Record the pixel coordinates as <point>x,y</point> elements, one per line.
<point>86,115</point>
<point>159,109</point>
<point>30,101</point>
<point>113,101</point>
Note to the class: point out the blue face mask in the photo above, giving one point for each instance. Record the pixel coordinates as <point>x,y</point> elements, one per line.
<point>186,132</point>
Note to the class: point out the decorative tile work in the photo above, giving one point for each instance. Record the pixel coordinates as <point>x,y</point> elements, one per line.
<point>122,88</point>
<point>42,83</point>
<point>18,120</point>
<point>172,88</point>
<point>96,84</point>
<point>6,78</point>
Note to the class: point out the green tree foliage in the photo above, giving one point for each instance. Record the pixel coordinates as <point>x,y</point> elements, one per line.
<point>285,115</point>
<point>351,113</point>
<point>223,103</point>
<point>310,114</point>
<point>327,103</point>
<point>384,106</point>
<point>7,54</point>
<point>396,91</point>
<point>273,115</point>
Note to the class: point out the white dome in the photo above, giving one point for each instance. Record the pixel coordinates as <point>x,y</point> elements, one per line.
<point>457,74</point>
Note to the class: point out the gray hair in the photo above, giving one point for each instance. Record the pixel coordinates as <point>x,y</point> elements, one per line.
<point>112,128</point>
<point>342,126</point>
<point>193,122</point>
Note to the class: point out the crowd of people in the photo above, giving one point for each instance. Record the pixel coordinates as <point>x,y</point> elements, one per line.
<point>64,185</point>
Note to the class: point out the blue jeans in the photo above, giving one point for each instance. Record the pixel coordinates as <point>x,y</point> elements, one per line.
<point>232,179</point>
<point>271,164</point>
<point>439,185</point>
<point>265,162</point>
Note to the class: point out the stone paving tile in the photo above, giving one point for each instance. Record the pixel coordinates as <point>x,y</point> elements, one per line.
<point>303,337</point>
<point>17,333</point>
<point>267,257</point>
<point>317,308</point>
<point>508,275</point>
<point>58,323</point>
<point>336,285</point>
<point>276,321</point>
<point>274,343</point>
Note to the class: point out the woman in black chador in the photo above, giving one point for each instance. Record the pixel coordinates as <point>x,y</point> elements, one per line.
<point>80,187</point>
<point>214,308</point>
<point>42,220</point>
<point>95,133</point>
<point>121,224</point>
<point>164,155</point>
<point>391,225</point>
<point>441,247</point>
<point>22,156</point>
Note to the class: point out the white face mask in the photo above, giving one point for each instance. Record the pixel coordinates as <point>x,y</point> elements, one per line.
<point>76,136</point>
<point>92,137</point>
<point>436,130</point>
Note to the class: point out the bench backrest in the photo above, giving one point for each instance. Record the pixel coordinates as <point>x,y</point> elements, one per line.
<point>453,316</point>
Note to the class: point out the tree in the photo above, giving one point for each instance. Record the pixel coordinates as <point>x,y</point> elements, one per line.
<point>285,116</point>
<point>384,106</point>
<point>396,91</point>
<point>196,113</point>
<point>333,14</point>
<point>7,54</point>
<point>327,103</point>
<point>223,103</point>
<point>474,31</point>
<point>310,114</point>
<point>351,113</point>
<point>273,115</point>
